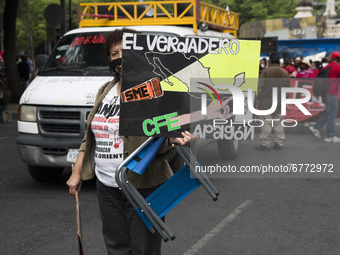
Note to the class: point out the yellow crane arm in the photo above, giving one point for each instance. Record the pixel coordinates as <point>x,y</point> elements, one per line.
<point>183,12</point>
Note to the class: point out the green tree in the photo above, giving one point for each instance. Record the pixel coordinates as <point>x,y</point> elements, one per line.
<point>24,27</point>
<point>31,25</point>
<point>252,10</point>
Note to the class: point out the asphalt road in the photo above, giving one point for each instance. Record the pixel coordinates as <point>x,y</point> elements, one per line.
<point>259,215</point>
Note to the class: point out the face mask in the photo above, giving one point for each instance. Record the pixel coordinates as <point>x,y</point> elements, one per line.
<point>286,63</point>
<point>262,65</point>
<point>116,66</point>
<point>313,67</point>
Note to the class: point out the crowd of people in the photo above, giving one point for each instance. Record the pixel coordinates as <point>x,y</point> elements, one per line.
<point>297,68</point>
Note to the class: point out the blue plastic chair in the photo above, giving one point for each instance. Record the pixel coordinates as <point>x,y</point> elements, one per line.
<point>169,194</point>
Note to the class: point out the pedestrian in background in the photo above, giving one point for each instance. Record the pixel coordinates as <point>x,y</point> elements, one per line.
<point>331,102</point>
<point>304,70</point>
<point>324,62</point>
<point>316,67</point>
<point>17,59</point>
<point>30,69</point>
<point>263,65</point>
<point>297,60</point>
<point>23,69</point>
<point>287,66</point>
<point>272,77</point>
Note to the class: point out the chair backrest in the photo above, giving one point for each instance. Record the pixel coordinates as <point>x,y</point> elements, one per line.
<point>170,193</point>
<point>142,159</point>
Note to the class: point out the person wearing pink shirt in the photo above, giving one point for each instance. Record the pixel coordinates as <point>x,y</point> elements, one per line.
<point>304,70</point>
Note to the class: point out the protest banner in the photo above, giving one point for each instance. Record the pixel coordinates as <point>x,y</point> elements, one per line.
<point>166,79</point>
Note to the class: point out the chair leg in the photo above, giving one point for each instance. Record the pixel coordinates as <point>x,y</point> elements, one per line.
<point>154,219</point>
<point>197,175</point>
<point>123,188</point>
<point>204,176</point>
<point>145,211</point>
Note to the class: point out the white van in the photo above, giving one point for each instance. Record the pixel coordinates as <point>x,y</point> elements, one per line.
<point>54,108</point>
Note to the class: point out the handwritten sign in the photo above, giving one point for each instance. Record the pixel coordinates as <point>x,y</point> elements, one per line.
<point>165,79</point>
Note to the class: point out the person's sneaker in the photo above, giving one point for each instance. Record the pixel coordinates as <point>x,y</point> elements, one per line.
<point>262,148</point>
<point>315,132</point>
<point>333,139</point>
<point>277,146</point>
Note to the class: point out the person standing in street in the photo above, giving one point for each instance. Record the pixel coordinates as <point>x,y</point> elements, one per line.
<point>331,102</point>
<point>288,67</point>
<point>263,65</point>
<point>30,69</point>
<point>124,231</point>
<point>297,60</point>
<point>272,77</point>
<point>304,70</point>
<point>23,69</point>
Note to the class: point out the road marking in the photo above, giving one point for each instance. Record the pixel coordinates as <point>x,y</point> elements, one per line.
<point>199,245</point>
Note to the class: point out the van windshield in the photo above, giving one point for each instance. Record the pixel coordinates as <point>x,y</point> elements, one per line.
<point>79,51</point>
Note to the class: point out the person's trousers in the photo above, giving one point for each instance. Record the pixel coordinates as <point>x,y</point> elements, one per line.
<point>124,232</point>
<point>24,84</point>
<point>272,122</point>
<point>329,116</point>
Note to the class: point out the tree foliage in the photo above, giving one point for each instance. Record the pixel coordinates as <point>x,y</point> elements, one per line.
<point>35,21</point>
<point>252,10</point>
<point>31,20</point>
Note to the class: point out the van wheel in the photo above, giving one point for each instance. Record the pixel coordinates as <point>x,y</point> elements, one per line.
<point>45,174</point>
<point>229,149</point>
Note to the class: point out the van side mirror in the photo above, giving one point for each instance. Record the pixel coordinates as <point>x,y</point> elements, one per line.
<point>40,60</point>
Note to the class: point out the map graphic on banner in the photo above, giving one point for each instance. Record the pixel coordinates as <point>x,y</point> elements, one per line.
<point>164,79</point>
